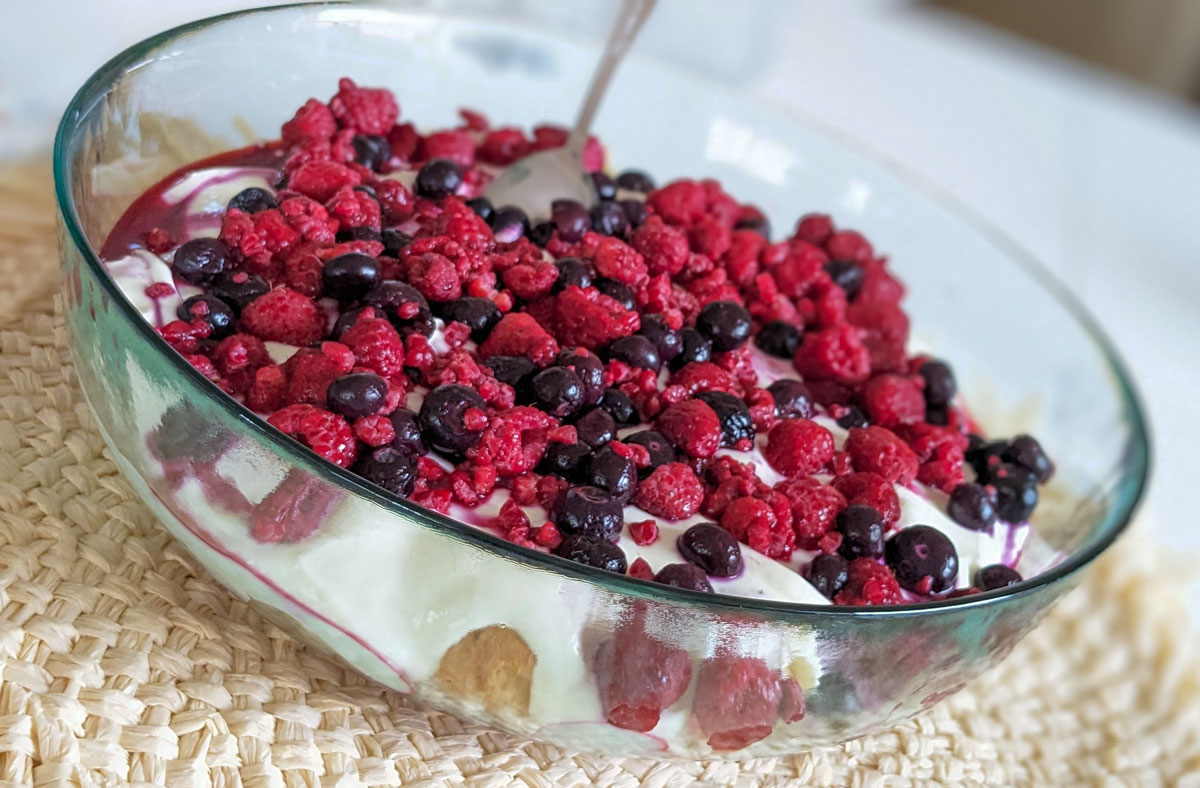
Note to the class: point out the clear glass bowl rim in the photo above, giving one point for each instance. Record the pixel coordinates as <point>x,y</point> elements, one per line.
<point>1117,517</point>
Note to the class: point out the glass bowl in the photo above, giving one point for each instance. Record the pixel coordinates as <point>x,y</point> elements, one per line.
<point>461,619</point>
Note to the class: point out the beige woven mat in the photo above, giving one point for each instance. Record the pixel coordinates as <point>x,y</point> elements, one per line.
<point>123,661</point>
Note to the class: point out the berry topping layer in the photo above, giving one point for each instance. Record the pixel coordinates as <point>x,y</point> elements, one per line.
<point>653,385</point>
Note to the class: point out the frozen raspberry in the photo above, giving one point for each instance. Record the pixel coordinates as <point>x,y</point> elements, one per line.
<point>879,286</point>
<point>692,426</point>
<point>240,353</point>
<point>311,121</point>
<point>310,219</point>
<point>836,354</point>
<point>530,281</point>
<point>376,345</point>
<point>513,442</point>
<point>644,532</point>
<point>354,209</point>
<point>814,228</point>
<point>881,451</point>
<point>848,245</point>
<point>664,248</point>
<point>798,447</point>
<point>801,269</point>
<point>327,434</point>
<point>435,276</point>
<point>503,146</point>
<point>366,110</point>
<point>395,200</point>
<point>614,259</point>
<point>588,318</point>
<point>457,146</point>
<point>681,202</point>
<point>671,492</point>
<point>641,570</point>
<point>741,260</point>
<point>266,391</point>
<point>884,333</point>
<point>698,376</point>
<point>283,315</point>
<point>639,677</point>
<point>309,373</point>
<point>753,522</point>
<point>710,237</point>
<point>869,583</point>
<point>375,431</point>
<point>815,506</point>
<point>518,334</point>
<point>158,240</point>
<point>872,490</point>
<point>892,400</point>
<point>737,701</point>
<point>320,180</point>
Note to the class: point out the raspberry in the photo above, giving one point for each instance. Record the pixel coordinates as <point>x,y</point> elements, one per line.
<point>320,180</point>
<point>692,426</point>
<point>593,155</point>
<point>376,430</point>
<point>737,701</point>
<point>741,261</point>
<point>404,141</point>
<point>641,569</point>
<point>310,219</point>
<point>548,536</point>
<point>664,248</point>
<point>698,376</point>
<point>240,353</point>
<point>928,439</point>
<point>588,318</point>
<point>309,373</point>
<point>884,333</point>
<point>366,110</point>
<point>879,286</point>
<point>814,228</point>
<point>283,315</point>
<point>892,400</point>
<point>158,240</point>
<point>327,434</point>
<point>435,276</point>
<point>530,281</point>
<point>267,389</point>
<point>944,471</point>
<point>312,121</point>
<point>753,522</point>
<point>814,509</point>
<point>639,677</point>
<point>376,345</point>
<point>710,238</point>
<point>798,447</point>
<point>302,270</point>
<point>615,259</point>
<point>671,492</point>
<point>835,354</point>
<point>546,137</point>
<point>395,200</point>
<point>681,202</point>
<point>874,491</point>
<point>881,451</point>
<point>802,268</point>
<point>848,245</point>
<point>159,290</point>
<point>503,146</point>
<point>518,334</point>
<point>354,209</point>
<point>457,146</point>
<point>644,532</point>
<point>514,441</point>
<point>870,583</point>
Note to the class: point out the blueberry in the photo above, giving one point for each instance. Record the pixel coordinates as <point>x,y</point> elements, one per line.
<point>588,367</point>
<point>395,470</point>
<point>394,241</point>
<point>345,320</point>
<point>253,200</point>
<point>590,512</point>
<point>356,395</point>
<point>661,450</point>
<point>212,310</point>
<point>736,424</point>
<point>635,181</point>
<point>613,473</point>
<point>348,234</point>
<point>592,552</point>
<point>478,314</point>
<point>1025,452</point>
<point>348,277</point>
<point>853,418</point>
<point>861,528</point>
<point>938,416</point>
<point>778,338</point>
<point>558,391</point>
<point>516,371</point>
<point>616,291</point>
<point>972,506</point>
<point>847,275</point>
<point>441,418</point>
<point>596,427</point>
<point>482,207</point>
<point>666,341</point>
<point>571,220</point>
<point>923,559</point>
<point>687,576</point>
<point>636,351</point>
<point>408,430</point>
<point>238,288</point>
<point>509,223</point>
<point>541,233</point>
<point>371,150</point>
<point>573,272</point>
<point>200,259</point>
<point>828,573</point>
<point>756,223</point>
<point>608,218</point>
<point>565,460</point>
<point>792,399</point>
<point>985,457</point>
<point>606,187</point>
<point>692,347</point>
<point>712,548</point>
<point>437,179</point>
<point>940,387</point>
<point>725,324</point>
<point>368,190</point>
<point>620,406</point>
<point>1016,493</point>
<point>635,212</point>
<point>395,299</point>
<point>996,576</point>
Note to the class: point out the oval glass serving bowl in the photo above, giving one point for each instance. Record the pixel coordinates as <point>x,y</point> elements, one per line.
<point>459,618</point>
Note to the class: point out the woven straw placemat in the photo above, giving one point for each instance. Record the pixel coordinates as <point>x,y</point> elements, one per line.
<point>122,661</point>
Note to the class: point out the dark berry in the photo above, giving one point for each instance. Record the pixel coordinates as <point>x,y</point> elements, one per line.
<point>371,150</point>
<point>200,259</point>
<point>590,512</point>
<point>616,291</point>
<point>482,207</point>
<point>972,506</point>
<point>726,324</point>
<point>348,277</point>
<point>687,576</point>
<point>1025,452</point>
<point>184,433</point>
<point>611,472</point>
<point>345,320</point>
<point>759,224</point>
<point>692,347</point>
<point>620,406</point>
<point>636,351</point>
<point>516,371</point>
<point>606,187</point>
<point>571,220</point>
<point>558,391</point>
<point>792,399</point>
<point>635,181</point>
<point>565,460</point>
<point>778,338</point>
<point>441,418</point>
<point>853,418</point>
<point>478,314</point>
<point>238,288</point>
<point>437,179</point>
<point>212,310</point>
<point>661,450</point>
<point>573,272</point>
<point>996,576</point>
<point>985,457</point>
<point>395,299</point>
<point>589,369</point>
<point>608,218</point>
<point>1016,493</point>
<point>253,200</point>
<point>828,573</point>
<point>736,424</point>
<point>923,559</point>
<point>356,395</point>
<point>635,212</point>
<point>509,223</point>
<point>408,430</point>
<point>596,427</point>
<point>368,190</point>
<point>847,275</point>
<point>940,386</point>
<point>395,470</point>
<point>394,241</point>
<point>861,528</point>
<point>666,341</point>
<point>347,234</point>
<point>541,233</point>
<point>938,416</point>
<point>712,548</point>
<point>592,552</point>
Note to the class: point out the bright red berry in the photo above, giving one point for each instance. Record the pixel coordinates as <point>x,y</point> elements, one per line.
<point>798,447</point>
<point>672,492</point>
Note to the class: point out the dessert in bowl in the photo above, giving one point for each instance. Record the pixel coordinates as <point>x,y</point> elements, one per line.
<point>599,475</point>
